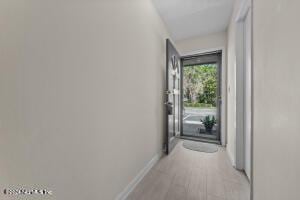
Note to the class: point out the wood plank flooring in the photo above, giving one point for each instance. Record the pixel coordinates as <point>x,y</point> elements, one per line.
<point>192,175</point>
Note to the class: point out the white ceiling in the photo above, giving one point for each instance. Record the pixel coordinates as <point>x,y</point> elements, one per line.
<point>189,18</point>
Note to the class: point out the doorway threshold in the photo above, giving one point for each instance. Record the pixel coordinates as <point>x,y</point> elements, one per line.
<point>200,139</point>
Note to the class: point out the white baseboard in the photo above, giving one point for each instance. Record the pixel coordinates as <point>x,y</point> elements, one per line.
<point>130,187</point>
<point>230,158</point>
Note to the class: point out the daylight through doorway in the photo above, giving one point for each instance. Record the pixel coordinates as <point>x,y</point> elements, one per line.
<point>201,97</point>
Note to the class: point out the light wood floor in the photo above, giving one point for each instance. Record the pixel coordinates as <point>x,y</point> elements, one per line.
<point>191,175</point>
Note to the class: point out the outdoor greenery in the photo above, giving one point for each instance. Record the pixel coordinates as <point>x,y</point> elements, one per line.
<point>209,123</point>
<point>200,85</point>
<point>197,104</point>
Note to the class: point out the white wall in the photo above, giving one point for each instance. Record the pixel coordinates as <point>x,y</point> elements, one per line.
<point>231,85</point>
<point>276,137</point>
<point>247,93</point>
<point>211,41</point>
<point>202,44</point>
<point>81,86</point>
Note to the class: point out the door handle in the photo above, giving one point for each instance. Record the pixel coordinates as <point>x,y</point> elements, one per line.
<point>169,104</point>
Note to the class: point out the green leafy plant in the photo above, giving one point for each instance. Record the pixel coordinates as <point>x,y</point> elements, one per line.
<point>209,123</point>
<point>200,84</point>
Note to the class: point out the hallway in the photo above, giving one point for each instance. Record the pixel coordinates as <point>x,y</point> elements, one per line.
<point>191,175</point>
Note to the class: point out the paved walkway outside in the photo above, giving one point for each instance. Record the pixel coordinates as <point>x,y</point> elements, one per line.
<point>192,124</point>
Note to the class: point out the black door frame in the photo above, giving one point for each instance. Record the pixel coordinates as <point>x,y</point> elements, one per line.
<point>219,54</point>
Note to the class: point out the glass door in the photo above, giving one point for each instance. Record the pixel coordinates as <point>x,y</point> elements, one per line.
<point>201,90</point>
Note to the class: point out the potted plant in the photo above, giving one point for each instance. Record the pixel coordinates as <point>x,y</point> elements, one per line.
<point>209,123</point>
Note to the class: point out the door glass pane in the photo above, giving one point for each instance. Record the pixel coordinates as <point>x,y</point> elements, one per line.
<point>200,84</point>
<point>171,100</point>
<point>177,98</point>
